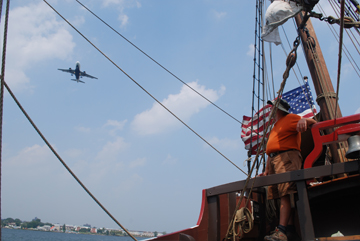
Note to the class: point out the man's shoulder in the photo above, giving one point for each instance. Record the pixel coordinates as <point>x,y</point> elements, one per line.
<point>293,116</point>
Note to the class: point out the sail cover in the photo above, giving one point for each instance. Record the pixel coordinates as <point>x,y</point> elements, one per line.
<point>278,13</point>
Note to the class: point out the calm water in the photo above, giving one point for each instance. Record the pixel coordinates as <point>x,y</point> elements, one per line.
<point>27,235</point>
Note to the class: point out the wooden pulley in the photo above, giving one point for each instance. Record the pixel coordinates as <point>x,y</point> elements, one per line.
<point>291,59</point>
<point>311,42</point>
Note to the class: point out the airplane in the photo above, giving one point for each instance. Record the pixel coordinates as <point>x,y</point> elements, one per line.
<point>78,74</point>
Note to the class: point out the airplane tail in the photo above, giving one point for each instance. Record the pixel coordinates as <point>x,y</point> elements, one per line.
<point>77,80</point>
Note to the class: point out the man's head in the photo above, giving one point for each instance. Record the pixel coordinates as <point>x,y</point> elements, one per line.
<point>283,105</point>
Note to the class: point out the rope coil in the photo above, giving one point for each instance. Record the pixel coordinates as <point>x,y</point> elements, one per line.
<point>243,222</point>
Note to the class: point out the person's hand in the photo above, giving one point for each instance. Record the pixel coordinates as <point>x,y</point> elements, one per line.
<point>301,125</point>
<point>263,174</point>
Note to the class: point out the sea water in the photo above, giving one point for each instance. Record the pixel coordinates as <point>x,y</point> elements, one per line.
<point>29,235</point>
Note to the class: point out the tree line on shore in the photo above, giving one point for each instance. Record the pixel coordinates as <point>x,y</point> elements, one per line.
<point>36,222</point>
<point>32,224</point>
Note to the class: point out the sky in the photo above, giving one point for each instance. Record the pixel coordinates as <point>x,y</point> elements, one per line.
<point>139,161</point>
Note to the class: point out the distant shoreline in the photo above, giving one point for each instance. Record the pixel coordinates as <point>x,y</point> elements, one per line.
<point>72,232</point>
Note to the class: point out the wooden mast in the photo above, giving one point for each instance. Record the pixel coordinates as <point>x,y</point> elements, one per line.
<point>326,97</point>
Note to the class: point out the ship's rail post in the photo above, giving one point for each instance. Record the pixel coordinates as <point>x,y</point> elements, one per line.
<point>213,234</point>
<point>220,208</point>
<point>304,212</point>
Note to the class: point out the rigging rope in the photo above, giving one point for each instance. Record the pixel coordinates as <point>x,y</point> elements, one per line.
<point>257,77</point>
<point>347,53</point>
<point>158,63</point>
<point>2,85</point>
<point>340,52</point>
<point>162,105</point>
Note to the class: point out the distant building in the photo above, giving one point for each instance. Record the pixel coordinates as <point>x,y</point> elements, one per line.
<point>148,234</point>
<point>80,227</point>
<point>69,227</point>
<point>142,233</point>
<point>135,233</point>
<point>56,228</point>
<point>44,228</point>
<point>93,230</point>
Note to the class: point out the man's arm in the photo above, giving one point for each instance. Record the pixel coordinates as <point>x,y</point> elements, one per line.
<point>304,123</point>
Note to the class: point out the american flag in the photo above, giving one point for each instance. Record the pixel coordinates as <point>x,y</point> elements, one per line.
<point>301,102</point>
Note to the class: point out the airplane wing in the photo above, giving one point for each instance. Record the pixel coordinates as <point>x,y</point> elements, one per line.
<point>71,71</point>
<point>83,73</point>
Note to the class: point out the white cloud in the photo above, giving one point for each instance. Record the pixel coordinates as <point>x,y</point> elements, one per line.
<point>169,160</point>
<point>34,35</point>
<point>250,52</point>
<point>78,21</point>
<point>184,105</point>
<point>106,3</point>
<point>74,153</point>
<point>129,183</point>
<point>122,5</point>
<point>34,156</point>
<point>115,126</point>
<point>124,19</point>
<point>357,111</point>
<point>111,150</point>
<point>18,79</point>
<point>35,163</point>
<point>219,15</point>
<point>82,129</point>
<point>138,162</point>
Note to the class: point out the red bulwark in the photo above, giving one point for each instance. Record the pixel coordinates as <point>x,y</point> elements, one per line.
<point>346,126</point>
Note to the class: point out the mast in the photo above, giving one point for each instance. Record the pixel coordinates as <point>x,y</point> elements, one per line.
<point>326,97</point>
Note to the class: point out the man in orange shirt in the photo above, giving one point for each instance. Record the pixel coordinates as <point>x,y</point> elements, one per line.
<point>283,150</point>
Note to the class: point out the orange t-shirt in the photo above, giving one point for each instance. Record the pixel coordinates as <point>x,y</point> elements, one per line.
<point>284,135</point>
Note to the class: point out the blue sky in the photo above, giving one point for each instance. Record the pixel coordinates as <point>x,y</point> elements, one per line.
<point>145,167</point>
